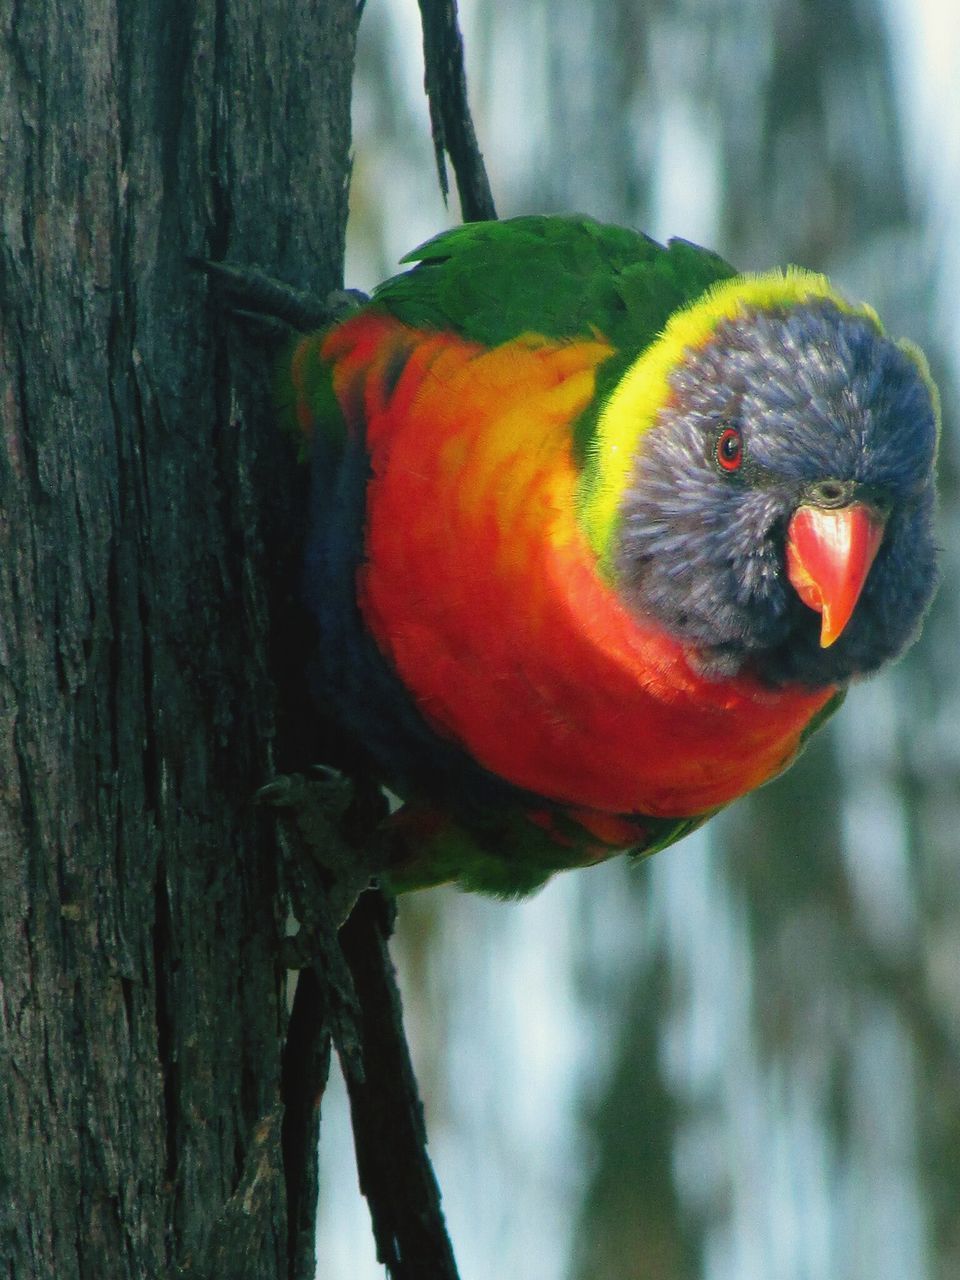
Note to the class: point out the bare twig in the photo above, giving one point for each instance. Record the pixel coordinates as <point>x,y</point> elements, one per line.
<point>446,84</point>
<point>395,1171</point>
<point>306,1066</point>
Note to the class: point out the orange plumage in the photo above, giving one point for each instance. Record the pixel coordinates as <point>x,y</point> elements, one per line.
<point>472,635</point>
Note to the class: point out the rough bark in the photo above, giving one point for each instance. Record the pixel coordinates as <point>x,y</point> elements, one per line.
<point>145,501</point>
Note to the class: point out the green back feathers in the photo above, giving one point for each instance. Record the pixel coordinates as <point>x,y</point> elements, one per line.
<point>563,277</point>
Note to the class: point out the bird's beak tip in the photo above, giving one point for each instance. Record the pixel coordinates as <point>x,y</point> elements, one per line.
<point>830,551</point>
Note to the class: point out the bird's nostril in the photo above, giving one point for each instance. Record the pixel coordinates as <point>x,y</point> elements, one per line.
<point>830,493</point>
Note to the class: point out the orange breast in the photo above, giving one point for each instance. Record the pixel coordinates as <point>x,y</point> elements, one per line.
<point>482,592</point>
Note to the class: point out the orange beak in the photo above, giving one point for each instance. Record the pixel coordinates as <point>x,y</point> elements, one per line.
<point>829,554</point>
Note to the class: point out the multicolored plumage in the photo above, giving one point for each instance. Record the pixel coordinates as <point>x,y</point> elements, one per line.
<point>600,531</point>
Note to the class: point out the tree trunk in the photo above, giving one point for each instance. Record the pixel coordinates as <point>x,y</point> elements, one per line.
<point>148,520</point>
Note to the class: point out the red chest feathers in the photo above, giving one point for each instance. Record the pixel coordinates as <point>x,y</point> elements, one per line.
<point>481,590</point>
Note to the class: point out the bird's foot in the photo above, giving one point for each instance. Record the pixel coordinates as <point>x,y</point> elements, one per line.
<point>273,306</point>
<point>330,828</point>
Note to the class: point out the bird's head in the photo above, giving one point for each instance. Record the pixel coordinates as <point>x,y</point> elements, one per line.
<point>777,513</point>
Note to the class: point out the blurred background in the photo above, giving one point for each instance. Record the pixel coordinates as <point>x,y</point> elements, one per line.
<point>740,1060</point>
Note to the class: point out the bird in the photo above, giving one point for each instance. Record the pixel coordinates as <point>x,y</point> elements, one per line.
<point>600,531</point>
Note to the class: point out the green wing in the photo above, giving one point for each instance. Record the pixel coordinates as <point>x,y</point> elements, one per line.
<point>563,277</point>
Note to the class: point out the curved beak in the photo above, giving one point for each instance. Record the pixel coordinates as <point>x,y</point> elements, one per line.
<point>829,554</point>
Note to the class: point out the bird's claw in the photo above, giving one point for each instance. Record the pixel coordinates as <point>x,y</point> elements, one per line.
<point>325,857</point>
<point>274,305</point>
<point>326,793</point>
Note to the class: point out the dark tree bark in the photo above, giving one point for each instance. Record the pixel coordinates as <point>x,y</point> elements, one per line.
<point>146,522</point>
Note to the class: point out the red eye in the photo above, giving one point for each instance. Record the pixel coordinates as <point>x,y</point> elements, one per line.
<point>729,449</point>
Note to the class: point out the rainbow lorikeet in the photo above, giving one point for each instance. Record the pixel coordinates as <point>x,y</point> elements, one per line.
<point>600,531</point>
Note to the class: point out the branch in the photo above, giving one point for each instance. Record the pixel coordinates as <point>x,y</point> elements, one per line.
<point>445,82</point>
<point>395,1171</point>
<point>306,1066</point>
<point>333,843</point>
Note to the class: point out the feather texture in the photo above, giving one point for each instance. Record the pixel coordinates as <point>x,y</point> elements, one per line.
<point>522,551</point>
